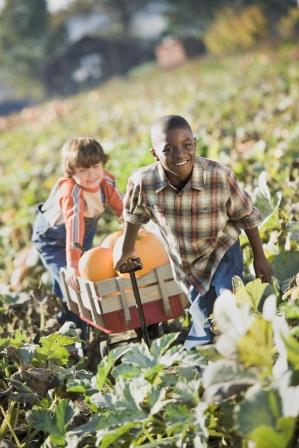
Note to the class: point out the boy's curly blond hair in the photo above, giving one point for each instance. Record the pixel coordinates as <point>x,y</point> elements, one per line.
<point>81,152</point>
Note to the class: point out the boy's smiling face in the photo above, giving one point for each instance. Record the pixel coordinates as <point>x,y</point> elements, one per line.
<point>175,149</point>
<point>89,177</point>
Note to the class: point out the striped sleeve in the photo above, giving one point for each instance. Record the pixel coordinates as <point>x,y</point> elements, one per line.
<point>112,194</point>
<point>72,207</point>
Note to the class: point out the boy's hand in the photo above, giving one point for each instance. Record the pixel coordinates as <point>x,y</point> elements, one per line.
<point>262,269</point>
<point>121,264</point>
<point>71,279</point>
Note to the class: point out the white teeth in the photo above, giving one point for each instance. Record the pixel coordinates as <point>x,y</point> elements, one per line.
<point>182,163</point>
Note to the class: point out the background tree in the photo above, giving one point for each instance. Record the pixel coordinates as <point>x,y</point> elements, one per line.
<point>24,30</point>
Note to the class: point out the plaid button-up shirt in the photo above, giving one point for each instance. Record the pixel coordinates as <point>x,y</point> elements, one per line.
<point>198,223</point>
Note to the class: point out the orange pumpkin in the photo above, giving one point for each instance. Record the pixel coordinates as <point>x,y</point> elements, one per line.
<point>148,247</point>
<point>96,264</point>
<point>109,240</point>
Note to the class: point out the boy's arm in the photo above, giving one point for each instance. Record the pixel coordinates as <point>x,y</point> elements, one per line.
<point>128,247</point>
<point>114,197</point>
<point>261,266</point>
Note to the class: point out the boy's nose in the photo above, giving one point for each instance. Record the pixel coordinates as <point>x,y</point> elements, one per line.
<point>179,151</point>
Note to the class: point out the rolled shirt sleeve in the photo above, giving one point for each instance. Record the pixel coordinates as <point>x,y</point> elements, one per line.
<point>135,211</point>
<point>240,208</point>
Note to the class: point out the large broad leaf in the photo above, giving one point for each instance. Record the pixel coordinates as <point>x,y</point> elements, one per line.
<point>161,345</point>
<point>106,439</point>
<point>285,265</point>
<point>53,423</point>
<point>64,412</point>
<point>185,421</point>
<point>187,392</point>
<point>125,399</point>
<point>267,437</point>
<point>53,348</point>
<point>107,364</point>
<point>139,355</point>
<point>268,206</point>
<point>292,348</point>
<point>293,229</point>
<point>225,378</point>
<point>250,293</point>
<point>125,371</point>
<point>255,348</point>
<point>90,427</point>
<point>81,381</point>
<point>259,408</point>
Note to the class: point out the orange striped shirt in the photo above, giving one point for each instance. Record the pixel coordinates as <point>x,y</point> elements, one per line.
<point>69,203</point>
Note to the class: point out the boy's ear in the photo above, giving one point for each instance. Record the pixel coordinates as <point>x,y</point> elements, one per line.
<point>153,153</point>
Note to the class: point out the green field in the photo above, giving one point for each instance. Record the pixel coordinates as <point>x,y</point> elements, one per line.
<point>244,110</point>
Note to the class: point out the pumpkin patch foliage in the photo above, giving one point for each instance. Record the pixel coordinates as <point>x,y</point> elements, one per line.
<point>240,392</point>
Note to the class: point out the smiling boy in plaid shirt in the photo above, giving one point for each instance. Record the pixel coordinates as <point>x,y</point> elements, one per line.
<point>200,210</point>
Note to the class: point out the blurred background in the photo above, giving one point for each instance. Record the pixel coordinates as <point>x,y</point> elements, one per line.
<point>59,47</point>
<point>109,68</point>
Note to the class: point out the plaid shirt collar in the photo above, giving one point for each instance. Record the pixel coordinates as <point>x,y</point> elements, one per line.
<point>195,182</point>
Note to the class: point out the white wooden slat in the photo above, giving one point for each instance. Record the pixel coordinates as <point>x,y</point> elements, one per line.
<point>116,294</point>
<point>65,291</point>
<point>123,299</point>
<point>164,292</point>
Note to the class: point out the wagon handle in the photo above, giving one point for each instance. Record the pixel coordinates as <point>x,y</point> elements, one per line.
<point>131,266</point>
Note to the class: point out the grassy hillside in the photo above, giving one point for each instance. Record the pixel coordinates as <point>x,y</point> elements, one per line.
<point>240,392</point>
<point>244,111</point>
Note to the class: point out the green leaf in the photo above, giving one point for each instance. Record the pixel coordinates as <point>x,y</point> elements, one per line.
<point>107,364</point>
<point>140,356</point>
<point>161,345</point>
<point>4,342</point>
<point>187,391</point>
<point>292,347</point>
<point>285,265</point>
<point>251,293</point>
<point>151,374</point>
<point>259,408</point>
<point>53,423</point>
<point>225,378</point>
<point>126,371</point>
<point>125,399</point>
<point>268,207</point>
<point>267,437</point>
<point>41,419</point>
<point>255,348</point>
<point>293,229</point>
<point>53,348</point>
<point>63,414</point>
<point>107,440</point>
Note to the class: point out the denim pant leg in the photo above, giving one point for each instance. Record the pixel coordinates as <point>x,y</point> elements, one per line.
<point>202,306</point>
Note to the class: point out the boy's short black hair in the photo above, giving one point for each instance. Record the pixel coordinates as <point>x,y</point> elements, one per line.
<point>167,123</point>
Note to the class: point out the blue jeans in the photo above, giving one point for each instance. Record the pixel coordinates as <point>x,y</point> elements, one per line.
<point>202,306</point>
<point>50,242</point>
